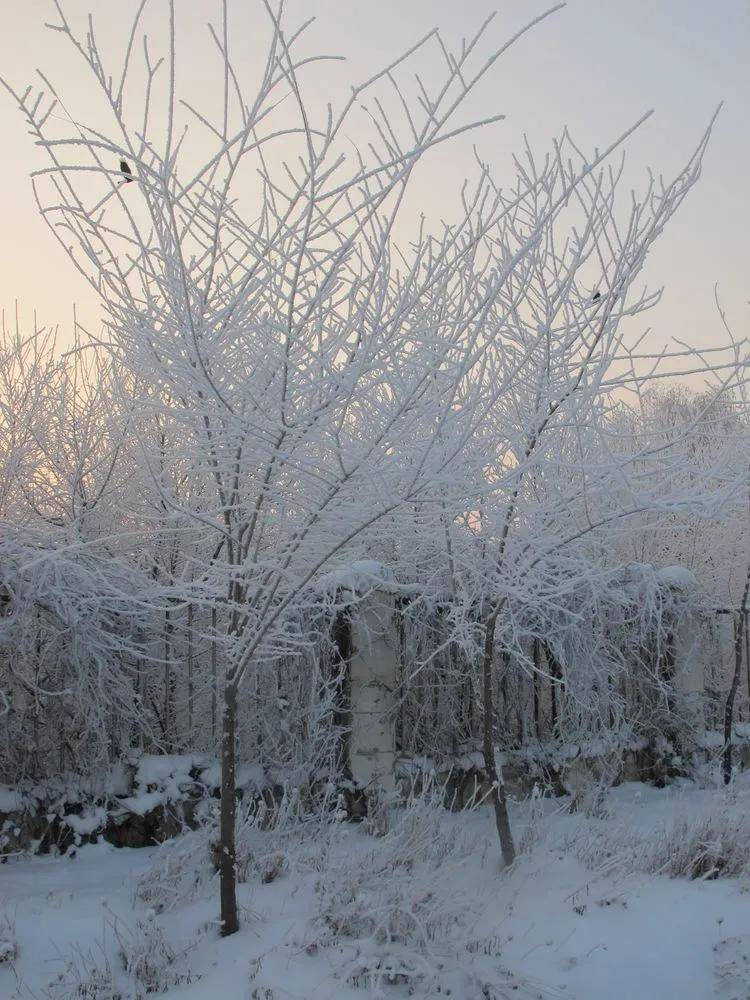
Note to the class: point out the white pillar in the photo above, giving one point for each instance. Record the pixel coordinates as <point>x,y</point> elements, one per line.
<point>374,676</point>
<point>691,649</point>
<point>692,634</point>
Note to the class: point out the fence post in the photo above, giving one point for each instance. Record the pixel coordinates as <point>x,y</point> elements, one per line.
<point>374,677</point>
<point>691,656</point>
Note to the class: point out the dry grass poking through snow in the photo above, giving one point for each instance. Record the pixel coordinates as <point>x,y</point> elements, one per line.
<point>399,914</point>
<point>709,844</point>
<point>8,942</point>
<point>149,962</point>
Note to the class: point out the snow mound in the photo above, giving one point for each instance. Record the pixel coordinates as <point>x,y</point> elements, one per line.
<point>163,779</point>
<point>11,800</point>
<point>678,577</point>
<point>87,823</point>
<point>358,577</point>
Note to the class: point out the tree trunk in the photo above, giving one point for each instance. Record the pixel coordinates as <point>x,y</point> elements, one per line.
<point>535,679</point>
<point>739,624</point>
<point>556,682</point>
<point>497,793</point>
<point>341,635</point>
<point>170,735</point>
<point>189,743</point>
<point>214,677</point>
<point>227,848</point>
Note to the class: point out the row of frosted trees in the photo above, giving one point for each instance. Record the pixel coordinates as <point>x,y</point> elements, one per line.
<point>290,377</point>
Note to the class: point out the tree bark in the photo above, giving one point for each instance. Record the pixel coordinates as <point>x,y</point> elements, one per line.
<point>170,735</point>
<point>739,627</point>
<point>227,847</point>
<point>191,687</point>
<point>214,676</point>
<point>497,791</point>
<point>556,682</point>
<point>341,635</point>
<point>535,681</point>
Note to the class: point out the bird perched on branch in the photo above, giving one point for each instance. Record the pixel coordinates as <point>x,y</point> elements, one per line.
<point>596,296</point>
<point>126,172</point>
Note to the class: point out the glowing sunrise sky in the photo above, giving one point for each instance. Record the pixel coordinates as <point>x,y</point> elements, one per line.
<point>594,66</point>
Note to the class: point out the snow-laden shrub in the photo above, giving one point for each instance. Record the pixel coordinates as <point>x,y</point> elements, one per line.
<point>8,940</point>
<point>148,964</point>
<point>396,906</point>
<point>589,783</point>
<point>148,958</point>
<point>82,620</point>
<point>714,845</point>
<point>711,844</point>
<point>376,822</point>
<point>182,871</point>
<point>284,833</point>
<point>86,975</point>
<point>533,832</point>
<point>270,837</point>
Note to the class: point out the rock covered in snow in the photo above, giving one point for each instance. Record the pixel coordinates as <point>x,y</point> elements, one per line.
<point>677,577</point>
<point>357,577</point>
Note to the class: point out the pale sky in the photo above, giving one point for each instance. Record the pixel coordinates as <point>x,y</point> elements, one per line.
<point>595,67</point>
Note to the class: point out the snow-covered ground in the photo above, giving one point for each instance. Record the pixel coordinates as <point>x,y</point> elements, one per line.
<point>571,919</point>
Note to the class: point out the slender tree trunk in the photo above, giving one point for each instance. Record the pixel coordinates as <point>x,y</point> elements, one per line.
<point>497,793</point>
<point>169,722</point>
<point>556,676</point>
<point>537,707</point>
<point>342,712</point>
<point>227,848</point>
<point>214,676</point>
<point>739,623</point>
<point>553,706</point>
<point>191,686</point>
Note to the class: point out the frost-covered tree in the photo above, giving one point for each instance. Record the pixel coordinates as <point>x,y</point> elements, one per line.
<point>297,388</point>
<point>560,354</point>
<point>317,378</point>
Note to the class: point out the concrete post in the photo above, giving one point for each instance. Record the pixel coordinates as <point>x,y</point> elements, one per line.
<point>374,676</point>
<point>691,651</point>
<point>691,642</point>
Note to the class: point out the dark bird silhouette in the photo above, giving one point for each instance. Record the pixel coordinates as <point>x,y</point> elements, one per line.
<point>126,172</point>
<point>596,296</point>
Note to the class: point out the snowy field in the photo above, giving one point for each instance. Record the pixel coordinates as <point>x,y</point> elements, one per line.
<point>578,916</point>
